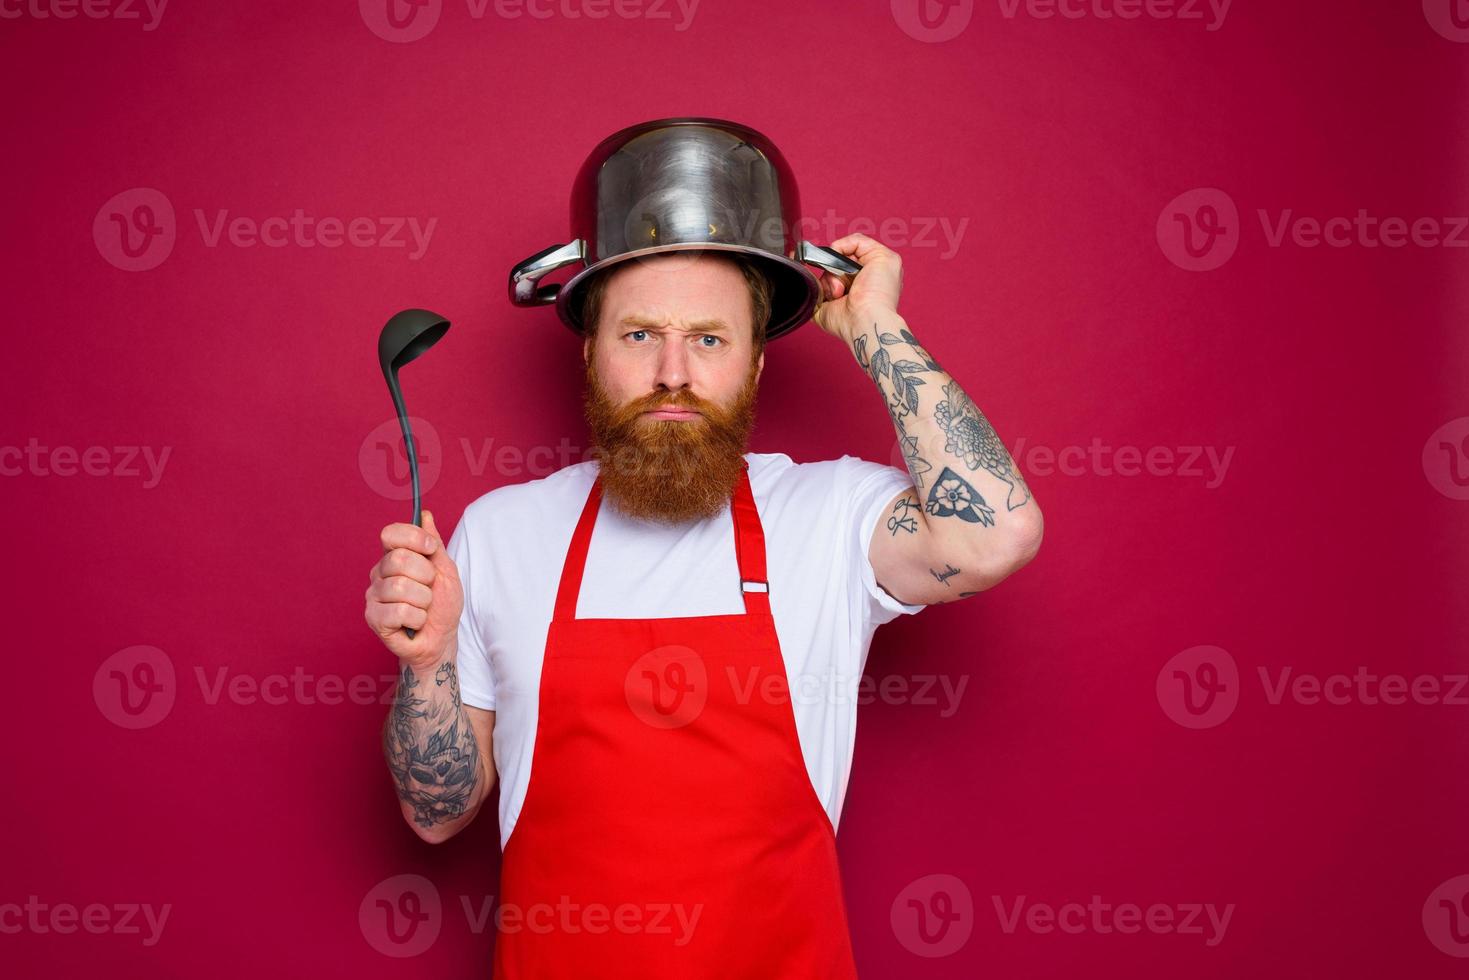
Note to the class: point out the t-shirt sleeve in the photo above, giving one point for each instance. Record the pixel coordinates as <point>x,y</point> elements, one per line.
<point>476,678</point>
<point>869,486</point>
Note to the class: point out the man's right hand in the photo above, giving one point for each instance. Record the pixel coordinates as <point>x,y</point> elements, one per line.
<point>415,585</point>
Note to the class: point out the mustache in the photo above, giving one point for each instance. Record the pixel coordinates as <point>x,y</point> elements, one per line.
<point>657,400</point>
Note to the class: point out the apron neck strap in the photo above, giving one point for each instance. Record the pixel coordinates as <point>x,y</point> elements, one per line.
<point>749,549</point>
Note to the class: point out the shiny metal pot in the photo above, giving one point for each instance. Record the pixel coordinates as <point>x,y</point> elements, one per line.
<point>682,184</point>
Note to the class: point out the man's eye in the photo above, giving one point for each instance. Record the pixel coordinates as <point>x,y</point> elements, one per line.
<point>636,332</point>
<point>710,336</point>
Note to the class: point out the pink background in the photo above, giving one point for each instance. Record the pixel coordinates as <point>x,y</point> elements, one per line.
<point>1328,545</point>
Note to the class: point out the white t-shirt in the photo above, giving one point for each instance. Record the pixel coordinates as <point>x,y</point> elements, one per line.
<point>818,519</point>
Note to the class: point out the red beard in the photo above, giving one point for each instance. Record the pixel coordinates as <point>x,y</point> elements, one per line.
<point>669,470</point>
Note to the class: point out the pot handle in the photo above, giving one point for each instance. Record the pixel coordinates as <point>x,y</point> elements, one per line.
<point>524,278</point>
<point>832,261</point>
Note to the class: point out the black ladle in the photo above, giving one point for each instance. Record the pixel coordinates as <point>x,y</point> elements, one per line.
<point>407,335</point>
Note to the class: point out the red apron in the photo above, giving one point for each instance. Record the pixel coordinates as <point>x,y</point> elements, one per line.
<point>670,828</point>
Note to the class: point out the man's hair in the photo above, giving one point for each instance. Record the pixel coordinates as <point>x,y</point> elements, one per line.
<point>755,278</point>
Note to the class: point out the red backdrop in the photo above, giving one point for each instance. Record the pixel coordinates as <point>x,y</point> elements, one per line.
<point>1179,748</point>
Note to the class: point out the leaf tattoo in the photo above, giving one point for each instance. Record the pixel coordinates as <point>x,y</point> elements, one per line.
<point>917,465</point>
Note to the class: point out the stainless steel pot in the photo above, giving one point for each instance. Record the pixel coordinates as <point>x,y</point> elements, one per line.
<point>681,184</point>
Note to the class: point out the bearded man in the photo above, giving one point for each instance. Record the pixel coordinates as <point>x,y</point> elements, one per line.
<point>656,652</point>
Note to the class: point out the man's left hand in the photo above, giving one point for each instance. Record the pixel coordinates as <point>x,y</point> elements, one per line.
<point>843,312</point>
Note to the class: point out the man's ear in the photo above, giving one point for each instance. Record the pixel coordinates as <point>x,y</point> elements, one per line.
<point>759,365</point>
<point>586,350</point>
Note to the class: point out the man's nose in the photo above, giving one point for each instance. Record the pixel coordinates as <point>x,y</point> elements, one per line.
<point>673,365</point>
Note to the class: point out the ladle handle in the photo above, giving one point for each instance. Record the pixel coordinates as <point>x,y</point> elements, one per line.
<point>412,452</point>
<point>417,511</point>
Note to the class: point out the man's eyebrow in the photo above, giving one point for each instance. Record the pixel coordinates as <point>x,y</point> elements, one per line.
<point>710,325</point>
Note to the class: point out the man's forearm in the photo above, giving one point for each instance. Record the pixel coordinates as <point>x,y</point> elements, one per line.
<point>971,495</point>
<point>432,752</point>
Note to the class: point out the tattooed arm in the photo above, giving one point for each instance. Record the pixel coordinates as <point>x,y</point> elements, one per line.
<point>969,519</point>
<point>432,742</point>
<point>438,749</point>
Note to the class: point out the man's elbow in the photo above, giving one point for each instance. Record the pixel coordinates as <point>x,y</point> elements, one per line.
<point>438,833</point>
<point>441,830</point>
<point>434,835</point>
<point>1008,553</point>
